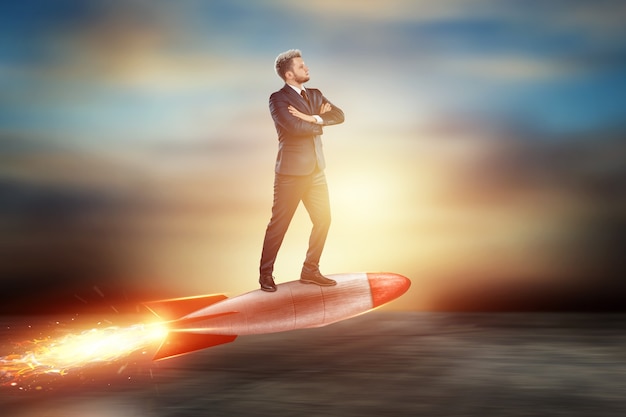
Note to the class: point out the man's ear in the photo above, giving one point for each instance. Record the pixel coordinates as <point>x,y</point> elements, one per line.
<point>288,75</point>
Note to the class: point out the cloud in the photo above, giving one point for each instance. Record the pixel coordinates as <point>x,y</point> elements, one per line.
<point>506,67</point>
<point>128,45</point>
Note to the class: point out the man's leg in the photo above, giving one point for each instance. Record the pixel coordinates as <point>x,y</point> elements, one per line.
<point>317,204</point>
<point>288,191</point>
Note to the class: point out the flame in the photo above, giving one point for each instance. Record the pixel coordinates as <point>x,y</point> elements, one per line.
<point>61,355</point>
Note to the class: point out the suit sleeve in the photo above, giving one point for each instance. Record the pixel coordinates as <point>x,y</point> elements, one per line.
<point>334,116</point>
<point>295,126</point>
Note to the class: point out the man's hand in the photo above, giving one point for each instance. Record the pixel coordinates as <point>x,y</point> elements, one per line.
<point>326,107</point>
<point>300,115</point>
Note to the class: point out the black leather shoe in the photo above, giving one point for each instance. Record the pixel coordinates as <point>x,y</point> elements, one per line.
<point>316,278</point>
<point>267,283</point>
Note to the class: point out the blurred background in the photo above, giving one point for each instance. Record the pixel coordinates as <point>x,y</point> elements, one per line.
<point>482,156</point>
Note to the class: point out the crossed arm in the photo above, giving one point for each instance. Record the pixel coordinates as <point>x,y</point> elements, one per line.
<point>298,123</point>
<point>326,107</point>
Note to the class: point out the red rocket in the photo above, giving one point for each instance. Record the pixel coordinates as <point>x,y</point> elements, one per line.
<point>201,322</point>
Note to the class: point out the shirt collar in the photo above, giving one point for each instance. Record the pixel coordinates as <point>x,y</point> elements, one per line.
<point>296,89</point>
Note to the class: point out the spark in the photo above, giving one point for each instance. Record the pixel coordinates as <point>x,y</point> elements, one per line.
<point>60,356</point>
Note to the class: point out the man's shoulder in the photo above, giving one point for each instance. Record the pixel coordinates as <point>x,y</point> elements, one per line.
<point>281,92</point>
<point>314,93</point>
<point>286,89</point>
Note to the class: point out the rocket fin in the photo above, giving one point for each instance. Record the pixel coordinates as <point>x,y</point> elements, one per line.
<point>179,343</point>
<point>175,308</point>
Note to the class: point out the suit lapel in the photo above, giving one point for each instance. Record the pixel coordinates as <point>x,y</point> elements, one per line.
<point>297,100</point>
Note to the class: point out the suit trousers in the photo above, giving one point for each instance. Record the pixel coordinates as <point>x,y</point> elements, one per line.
<point>289,190</point>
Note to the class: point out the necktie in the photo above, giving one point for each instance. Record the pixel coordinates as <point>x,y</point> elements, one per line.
<point>304,95</point>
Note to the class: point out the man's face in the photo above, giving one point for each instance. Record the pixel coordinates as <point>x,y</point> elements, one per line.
<point>299,70</point>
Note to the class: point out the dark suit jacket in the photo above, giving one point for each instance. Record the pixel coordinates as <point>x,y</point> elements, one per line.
<point>299,142</point>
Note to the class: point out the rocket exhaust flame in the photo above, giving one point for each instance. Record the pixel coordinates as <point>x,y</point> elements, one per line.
<point>60,356</point>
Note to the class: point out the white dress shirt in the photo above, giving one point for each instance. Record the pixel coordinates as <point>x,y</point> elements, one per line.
<point>318,118</point>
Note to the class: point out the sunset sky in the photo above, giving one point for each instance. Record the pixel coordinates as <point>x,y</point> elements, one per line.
<point>483,153</point>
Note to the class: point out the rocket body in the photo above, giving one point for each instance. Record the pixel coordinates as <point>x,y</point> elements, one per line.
<point>295,305</point>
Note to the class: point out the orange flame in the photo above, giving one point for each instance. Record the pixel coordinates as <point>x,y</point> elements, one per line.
<point>91,347</point>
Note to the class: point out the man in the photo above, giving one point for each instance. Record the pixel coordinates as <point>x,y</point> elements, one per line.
<point>299,114</point>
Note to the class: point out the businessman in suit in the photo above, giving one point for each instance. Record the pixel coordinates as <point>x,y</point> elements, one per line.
<point>299,115</point>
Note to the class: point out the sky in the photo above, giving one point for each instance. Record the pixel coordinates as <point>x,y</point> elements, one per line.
<point>482,154</point>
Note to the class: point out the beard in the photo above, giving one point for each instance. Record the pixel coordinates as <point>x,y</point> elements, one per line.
<point>302,79</point>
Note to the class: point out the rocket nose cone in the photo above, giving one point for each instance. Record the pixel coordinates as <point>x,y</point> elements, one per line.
<point>386,286</point>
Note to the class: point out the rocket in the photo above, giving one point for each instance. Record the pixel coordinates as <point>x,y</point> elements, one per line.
<point>201,322</point>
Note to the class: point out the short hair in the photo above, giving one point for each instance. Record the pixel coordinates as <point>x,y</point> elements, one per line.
<point>283,61</point>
